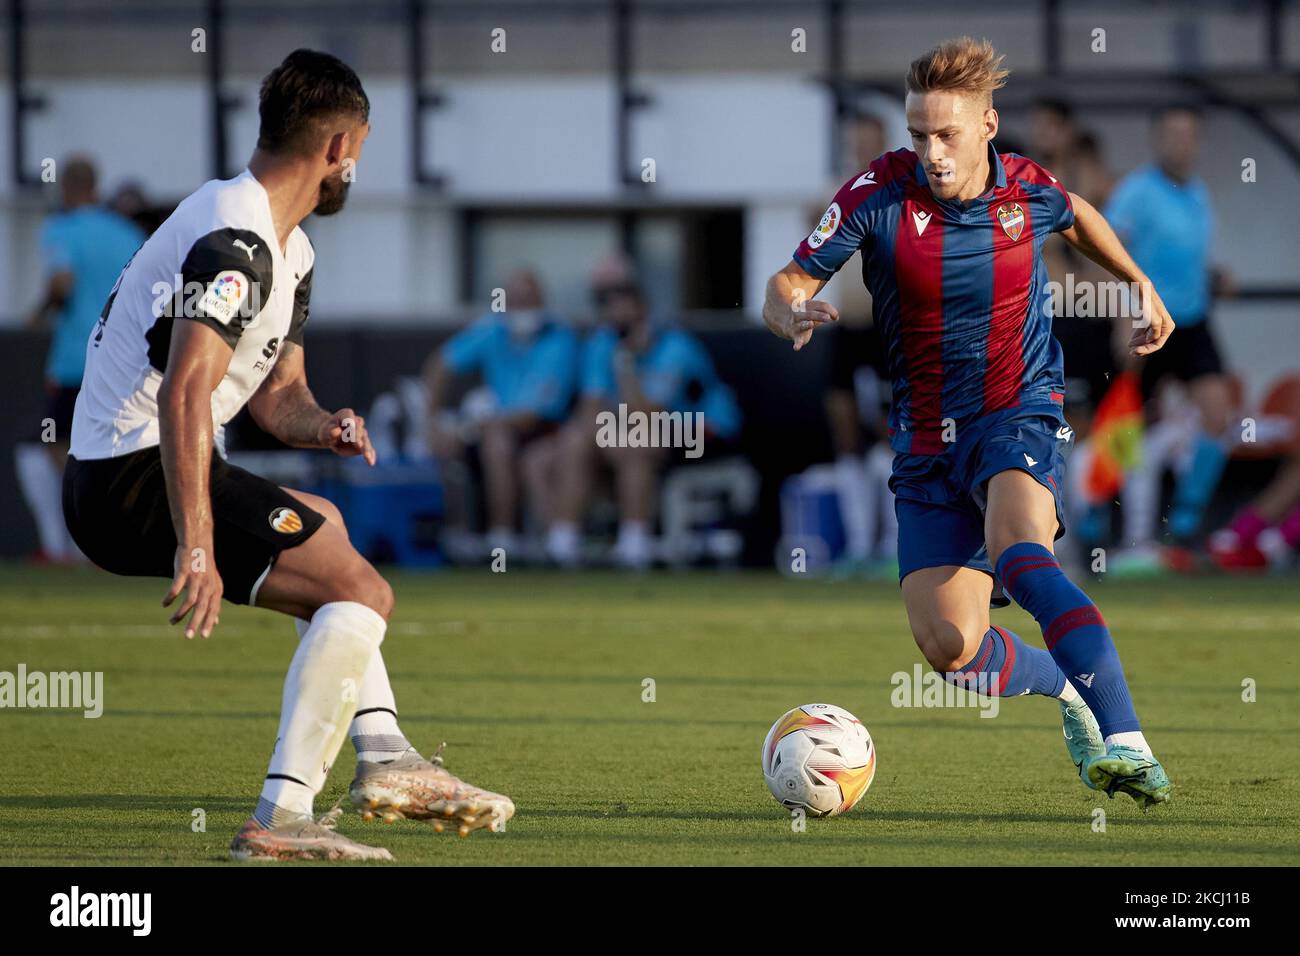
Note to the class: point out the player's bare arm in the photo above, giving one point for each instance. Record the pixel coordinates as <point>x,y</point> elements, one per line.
<point>1092,235</point>
<point>790,309</point>
<point>196,363</point>
<point>284,406</point>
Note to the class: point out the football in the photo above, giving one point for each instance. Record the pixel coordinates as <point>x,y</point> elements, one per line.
<point>818,758</point>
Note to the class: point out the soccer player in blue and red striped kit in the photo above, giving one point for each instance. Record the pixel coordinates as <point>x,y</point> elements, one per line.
<point>951,234</point>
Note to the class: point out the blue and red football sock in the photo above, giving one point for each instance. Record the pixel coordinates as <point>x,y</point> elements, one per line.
<point>1005,666</point>
<point>1074,631</point>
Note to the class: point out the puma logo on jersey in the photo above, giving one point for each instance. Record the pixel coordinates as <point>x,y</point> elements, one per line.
<point>921,219</point>
<point>240,244</point>
<point>867,178</point>
<point>1029,461</point>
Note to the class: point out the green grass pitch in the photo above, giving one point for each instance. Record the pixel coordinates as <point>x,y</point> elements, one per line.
<point>535,681</point>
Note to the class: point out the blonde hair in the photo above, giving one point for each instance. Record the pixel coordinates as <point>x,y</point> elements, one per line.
<point>963,65</point>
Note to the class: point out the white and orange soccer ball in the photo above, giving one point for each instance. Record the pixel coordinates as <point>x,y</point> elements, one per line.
<point>819,758</point>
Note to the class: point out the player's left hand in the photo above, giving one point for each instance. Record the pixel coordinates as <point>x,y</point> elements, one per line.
<point>344,433</point>
<point>1155,326</point>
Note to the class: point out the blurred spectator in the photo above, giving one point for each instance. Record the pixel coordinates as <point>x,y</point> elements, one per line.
<point>1092,177</point>
<point>1058,145</point>
<point>130,202</point>
<point>1266,533</point>
<point>84,247</point>
<point>1162,212</point>
<point>528,359</point>
<point>857,401</point>
<point>1086,336</point>
<point>1069,153</point>
<point>872,125</point>
<point>631,361</point>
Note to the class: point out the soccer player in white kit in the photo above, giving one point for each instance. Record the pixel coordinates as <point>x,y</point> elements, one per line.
<point>206,318</point>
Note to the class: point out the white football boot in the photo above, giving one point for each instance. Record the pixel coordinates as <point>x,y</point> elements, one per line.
<point>413,788</point>
<point>301,839</point>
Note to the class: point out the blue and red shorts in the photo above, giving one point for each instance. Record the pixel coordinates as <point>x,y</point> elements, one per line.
<point>940,499</point>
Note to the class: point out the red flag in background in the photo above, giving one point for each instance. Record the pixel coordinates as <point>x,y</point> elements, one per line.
<point>1116,438</point>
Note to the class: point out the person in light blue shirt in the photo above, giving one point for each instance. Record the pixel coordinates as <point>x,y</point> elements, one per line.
<point>635,371</point>
<point>528,360</point>
<point>84,247</point>
<point>1163,214</point>
<point>674,372</point>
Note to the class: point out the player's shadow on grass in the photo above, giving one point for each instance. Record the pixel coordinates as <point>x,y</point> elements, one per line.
<point>133,803</point>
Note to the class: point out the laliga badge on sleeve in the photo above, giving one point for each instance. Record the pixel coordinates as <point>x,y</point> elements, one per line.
<point>224,296</point>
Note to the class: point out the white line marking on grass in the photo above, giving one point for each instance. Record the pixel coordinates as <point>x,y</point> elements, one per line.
<point>64,631</point>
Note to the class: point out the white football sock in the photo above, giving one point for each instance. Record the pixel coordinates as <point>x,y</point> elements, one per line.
<point>1132,738</point>
<point>376,736</point>
<point>374,730</point>
<point>42,485</point>
<point>320,697</point>
<point>281,801</point>
<point>1068,694</point>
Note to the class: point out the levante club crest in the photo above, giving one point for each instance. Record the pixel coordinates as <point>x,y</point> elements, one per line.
<point>1012,218</point>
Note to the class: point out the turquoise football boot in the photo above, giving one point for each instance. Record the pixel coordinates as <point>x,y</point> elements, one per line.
<point>1130,771</point>
<point>1082,735</point>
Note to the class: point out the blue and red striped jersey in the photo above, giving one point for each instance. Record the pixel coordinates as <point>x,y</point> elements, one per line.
<point>959,290</point>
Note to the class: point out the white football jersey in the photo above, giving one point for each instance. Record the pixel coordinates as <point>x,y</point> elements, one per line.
<point>215,261</point>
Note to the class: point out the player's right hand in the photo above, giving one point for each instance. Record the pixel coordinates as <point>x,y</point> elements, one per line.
<point>801,319</point>
<point>1155,325</point>
<point>196,575</point>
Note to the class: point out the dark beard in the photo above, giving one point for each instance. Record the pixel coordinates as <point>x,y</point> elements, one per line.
<point>333,194</point>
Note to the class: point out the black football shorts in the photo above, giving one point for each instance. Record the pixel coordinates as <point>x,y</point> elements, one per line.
<point>116,510</point>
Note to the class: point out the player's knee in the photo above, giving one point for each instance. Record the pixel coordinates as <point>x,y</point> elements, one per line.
<point>330,512</point>
<point>1018,530</point>
<point>380,596</point>
<point>364,585</point>
<point>943,641</point>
